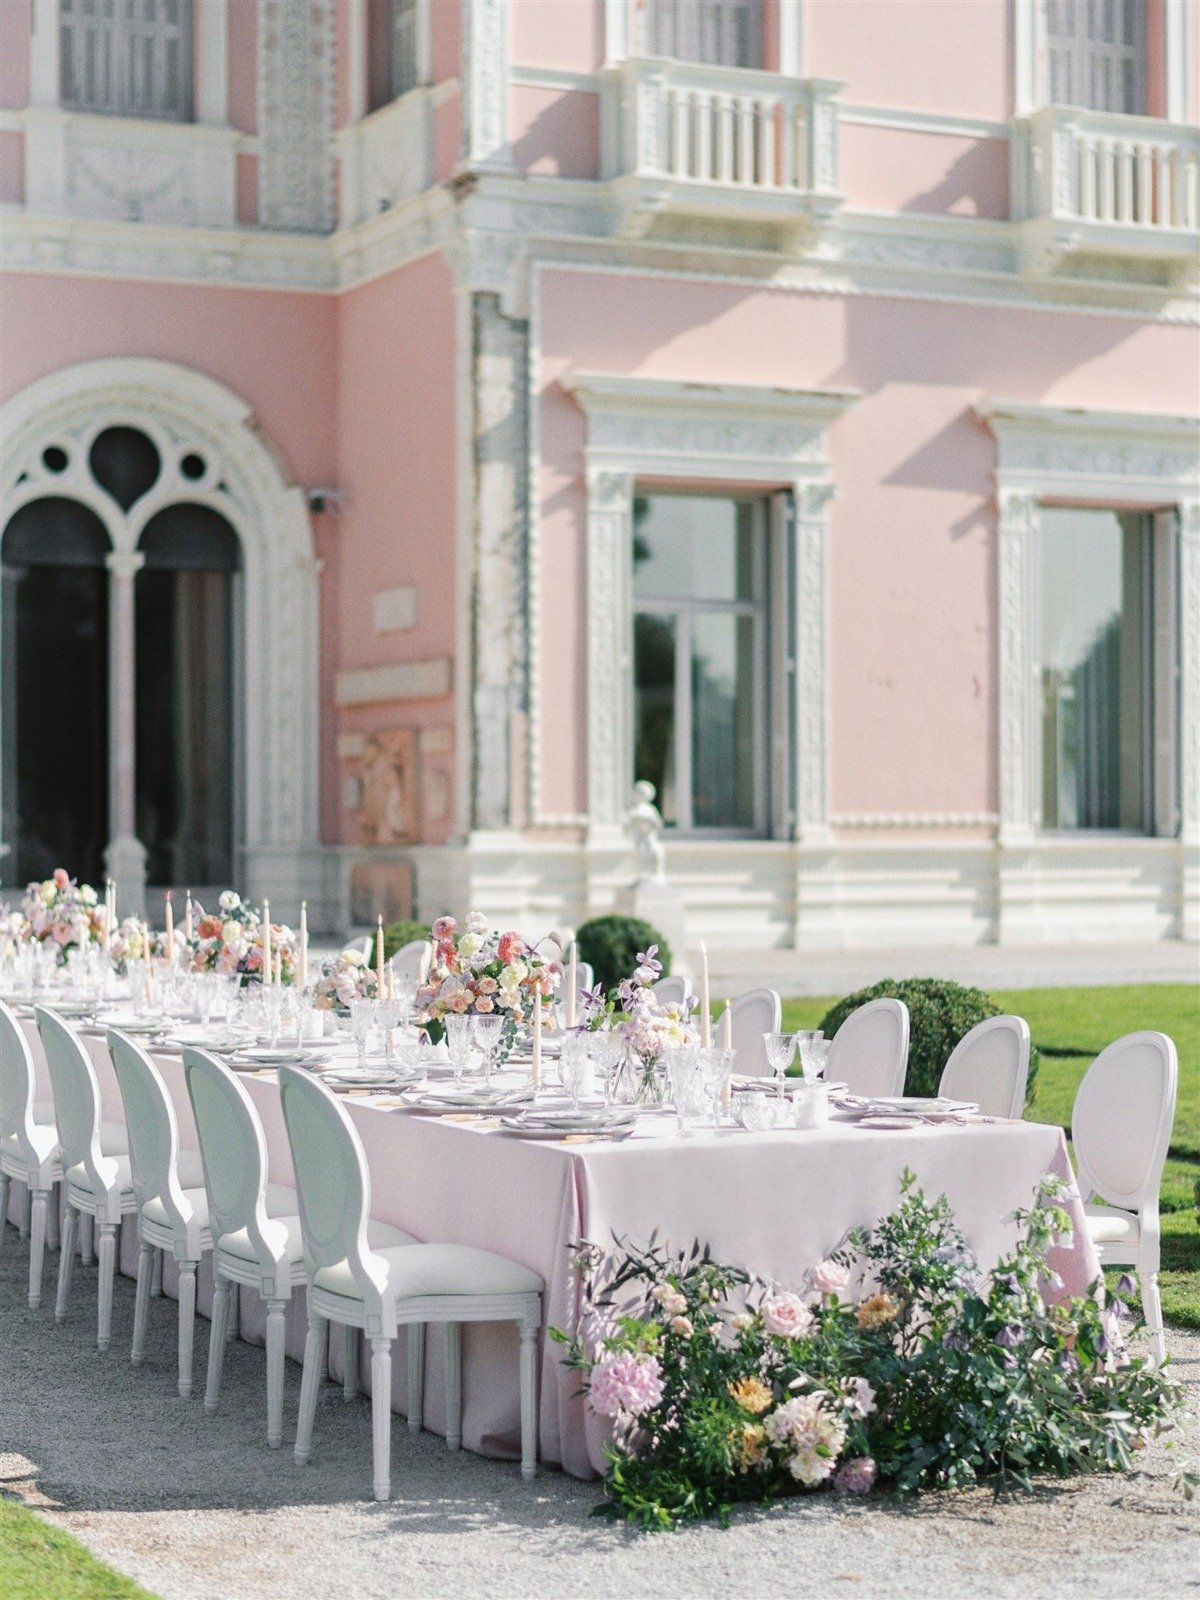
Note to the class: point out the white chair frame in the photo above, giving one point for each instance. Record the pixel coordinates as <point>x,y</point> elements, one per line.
<point>672,990</point>
<point>28,1149</point>
<point>751,1015</point>
<point>334,1189</point>
<point>990,1065</point>
<point>870,1049</point>
<point>1135,1077</point>
<point>102,1190</point>
<point>155,1163</point>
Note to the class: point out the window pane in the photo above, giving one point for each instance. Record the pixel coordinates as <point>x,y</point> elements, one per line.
<point>654,708</point>
<point>1095,683</point>
<point>694,547</point>
<point>723,672</point>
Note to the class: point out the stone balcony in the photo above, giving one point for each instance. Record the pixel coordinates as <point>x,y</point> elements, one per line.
<point>1100,194</point>
<point>685,143</point>
<point>386,157</point>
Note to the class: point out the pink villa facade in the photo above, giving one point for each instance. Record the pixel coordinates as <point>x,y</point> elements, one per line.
<point>794,403</point>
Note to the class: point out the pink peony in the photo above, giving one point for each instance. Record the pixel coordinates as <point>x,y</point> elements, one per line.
<point>626,1384</point>
<point>61,878</point>
<point>829,1277</point>
<point>443,929</point>
<point>787,1316</point>
<point>510,948</point>
<point>856,1477</point>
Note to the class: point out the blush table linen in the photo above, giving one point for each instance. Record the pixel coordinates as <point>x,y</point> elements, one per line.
<point>774,1203</point>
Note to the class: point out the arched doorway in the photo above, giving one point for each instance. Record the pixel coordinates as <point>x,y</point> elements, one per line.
<point>203,600</point>
<point>55,689</point>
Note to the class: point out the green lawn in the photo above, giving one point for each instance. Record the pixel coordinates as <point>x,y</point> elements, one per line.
<point>38,1562</point>
<point>1070,1028</point>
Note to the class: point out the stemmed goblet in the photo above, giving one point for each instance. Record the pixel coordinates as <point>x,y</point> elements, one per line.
<point>488,1029</point>
<point>781,1048</point>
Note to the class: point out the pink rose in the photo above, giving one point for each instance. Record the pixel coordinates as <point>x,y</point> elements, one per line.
<point>61,878</point>
<point>829,1277</point>
<point>786,1316</point>
<point>487,985</point>
<point>485,1003</point>
<point>682,1326</point>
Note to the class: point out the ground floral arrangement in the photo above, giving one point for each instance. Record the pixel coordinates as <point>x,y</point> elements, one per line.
<point>900,1363</point>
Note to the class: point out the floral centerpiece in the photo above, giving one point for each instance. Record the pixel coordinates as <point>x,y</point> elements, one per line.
<point>482,973</point>
<point>232,941</point>
<point>647,1028</point>
<point>895,1361</point>
<point>64,912</point>
<point>134,940</point>
<point>344,977</point>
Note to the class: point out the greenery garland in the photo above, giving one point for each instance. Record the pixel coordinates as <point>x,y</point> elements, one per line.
<point>899,1362</point>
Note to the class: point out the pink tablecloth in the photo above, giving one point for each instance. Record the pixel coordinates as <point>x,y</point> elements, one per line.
<point>772,1202</point>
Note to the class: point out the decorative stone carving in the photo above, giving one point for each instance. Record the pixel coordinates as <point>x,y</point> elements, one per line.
<point>486,105</point>
<point>644,824</point>
<point>295,111</point>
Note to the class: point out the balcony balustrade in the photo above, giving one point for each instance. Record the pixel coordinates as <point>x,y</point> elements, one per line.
<point>684,139</point>
<point>1103,185</point>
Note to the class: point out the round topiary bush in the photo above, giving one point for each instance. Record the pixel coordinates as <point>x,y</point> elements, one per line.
<point>397,934</point>
<point>612,945</point>
<point>940,1013</point>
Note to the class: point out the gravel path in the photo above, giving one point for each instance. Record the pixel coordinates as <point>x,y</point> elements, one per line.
<point>199,1509</point>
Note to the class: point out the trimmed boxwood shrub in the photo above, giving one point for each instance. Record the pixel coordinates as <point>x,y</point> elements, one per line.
<point>612,945</point>
<point>397,934</point>
<point>940,1013</point>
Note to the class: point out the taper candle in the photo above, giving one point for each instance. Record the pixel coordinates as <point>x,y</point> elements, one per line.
<point>379,957</point>
<point>187,918</point>
<point>572,983</point>
<point>727,1027</point>
<point>705,1001</point>
<point>170,921</point>
<point>266,943</point>
<point>536,1068</point>
<point>302,969</point>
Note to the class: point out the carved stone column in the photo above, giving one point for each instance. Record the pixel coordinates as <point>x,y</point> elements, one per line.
<point>125,857</point>
<point>1189,718</point>
<point>499,584</point>
<point>609,515</point>
<point>295,115</point>
<point>486,100</point>
<point>811,768</point>
<point>1016,529</point>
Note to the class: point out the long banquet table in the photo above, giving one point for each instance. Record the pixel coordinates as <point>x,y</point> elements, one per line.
<point>773,1202</point>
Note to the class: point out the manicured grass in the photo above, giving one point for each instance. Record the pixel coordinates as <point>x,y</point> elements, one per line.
<point>1070,1028</point>
<point>38,1562</point>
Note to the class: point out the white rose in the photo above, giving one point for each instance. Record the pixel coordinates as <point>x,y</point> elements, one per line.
<point>228,900</point>
<point>469,945</point>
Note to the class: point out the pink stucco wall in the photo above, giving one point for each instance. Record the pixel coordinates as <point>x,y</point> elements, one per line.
<point>555,134</point>
<point>396,467</point>
<point>243,65</point>
<point>12,168</point>
<point>567,34</point>
<point>911,555</point>
<point>14,53</point>
<point>886,169</point>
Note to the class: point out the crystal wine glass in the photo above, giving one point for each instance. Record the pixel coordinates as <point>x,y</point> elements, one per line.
<point>781,1048</point>
<point>814,1053</point>
<point>488,1030</point>
<point>362,1019</point>
<point>459,1042</point>
<point>576,1066</point>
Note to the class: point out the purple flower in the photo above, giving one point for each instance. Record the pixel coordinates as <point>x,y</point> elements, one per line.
<point>856,1476</point>
<point>1009,1337</point>
<point>1010,1281</point>
<point>1118,1308</point>
<point>1126,1284</point>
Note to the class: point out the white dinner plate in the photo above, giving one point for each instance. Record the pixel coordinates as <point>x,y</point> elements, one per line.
<point>887,1123</point>
<point>71,1008</point>
<point>525,1130</point>
<point>261,1056</point>
<point>133,1024</point>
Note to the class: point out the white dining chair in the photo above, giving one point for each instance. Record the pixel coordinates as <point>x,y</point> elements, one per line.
<point>95,1162</point>
<point>378,1288</point>
<point>990,1066</point>
<point>869,1051</point>
<point>406,963</point>
<point>672,990</point>
<point>28,1145</point>
<point>168,1183</point>
<point>752,1014</point>
<point>1121,1129</point>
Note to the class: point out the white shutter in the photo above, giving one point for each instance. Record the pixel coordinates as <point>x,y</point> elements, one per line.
<point>127,58</point>
<point>723,33</point>
<point>1096,54</point>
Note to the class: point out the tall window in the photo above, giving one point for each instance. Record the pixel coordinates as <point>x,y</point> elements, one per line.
<point>127,58</point>
<point>393,50</point>
<point>55,690</point>
<point>724,33</point>
<point>1097,54</point>
<point>699,569</point>
<point>1096,678</point>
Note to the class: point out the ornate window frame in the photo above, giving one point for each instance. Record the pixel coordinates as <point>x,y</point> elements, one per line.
<point>181,411</point>
<point>1049,453</point>
<point>705,435</point>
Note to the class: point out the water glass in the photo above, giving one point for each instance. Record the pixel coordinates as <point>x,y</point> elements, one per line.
<point>608,1051</point>
<point>756,1111</point>
<point>781,1048</point>
<point>460,1042</point>
<point>716,1065</point>
<point>576,1064</point>
<point>688,1089</point>
<point>814,1053</point>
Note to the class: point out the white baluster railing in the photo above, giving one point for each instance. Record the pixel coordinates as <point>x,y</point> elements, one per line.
<point>739,129</point>
<point>1097,167</point>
